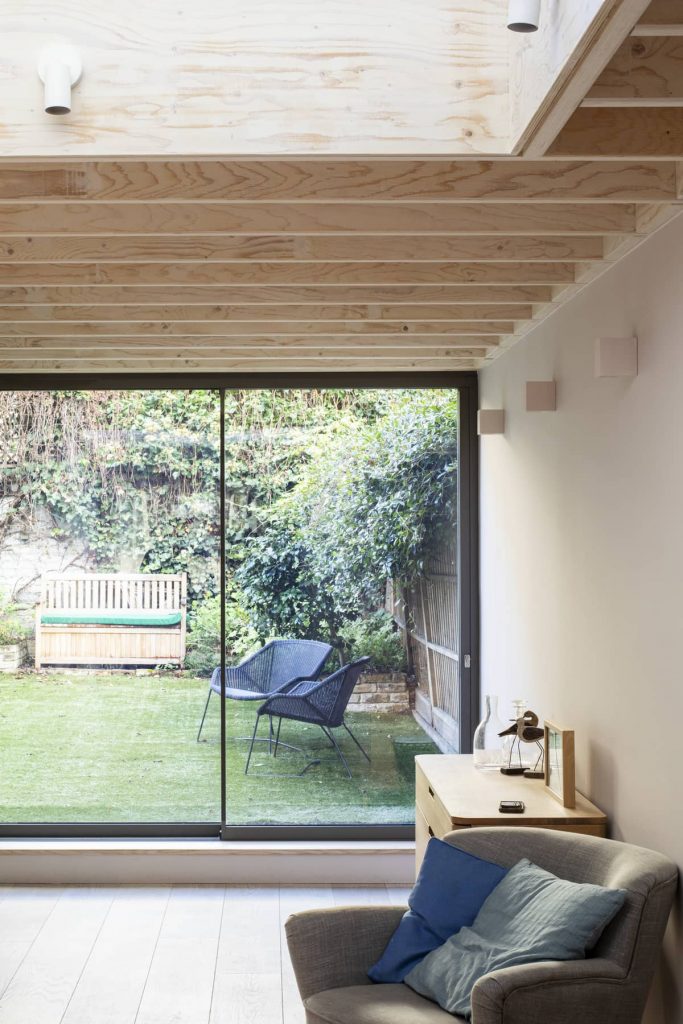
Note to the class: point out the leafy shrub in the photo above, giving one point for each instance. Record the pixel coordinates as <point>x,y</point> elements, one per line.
<point>377,637</point>
<point>285,595</point>
<point>203,641</point>
<point>12,631</point>
<point>375,496</point>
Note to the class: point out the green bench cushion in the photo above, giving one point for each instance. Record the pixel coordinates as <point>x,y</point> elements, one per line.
<point>115,618</point>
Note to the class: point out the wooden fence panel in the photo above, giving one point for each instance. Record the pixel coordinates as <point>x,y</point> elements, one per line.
<point>428,615</point>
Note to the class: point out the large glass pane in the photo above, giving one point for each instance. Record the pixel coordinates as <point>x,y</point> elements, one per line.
<point>109,575</point>
<point>341,531</point>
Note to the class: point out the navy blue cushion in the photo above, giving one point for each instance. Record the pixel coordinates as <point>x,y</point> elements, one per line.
<point>450,890</point>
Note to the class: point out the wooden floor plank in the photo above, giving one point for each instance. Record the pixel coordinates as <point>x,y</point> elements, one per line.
<point>248,999</point>
<point>23,912</point>
<point>250,938</point>
<point>294,900</point>
<point>111,986</point>
<point>42,986</point>
<point>180,981</point>
<point>360,896</point>
<point>248,981</point>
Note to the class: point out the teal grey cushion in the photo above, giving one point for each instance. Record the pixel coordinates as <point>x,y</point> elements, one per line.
<point>531,915</point>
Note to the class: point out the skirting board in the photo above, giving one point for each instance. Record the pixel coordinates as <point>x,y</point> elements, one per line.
<point>194,862</point>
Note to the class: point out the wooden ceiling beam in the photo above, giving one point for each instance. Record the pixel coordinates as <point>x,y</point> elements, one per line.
<point>297,248</point>
<point>212,275</point>
<point>336,180</point>
<point>620,132</point>
<point>642,72</point>
<point>25,348</point>
<point>123,362</point>
<point>662,17</point>
<point>240,316</point>
<point>201,329</point>
<point>253,295</point>
<point>317,218</point>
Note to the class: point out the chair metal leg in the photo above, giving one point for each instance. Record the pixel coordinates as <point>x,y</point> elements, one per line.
<point>251,745</point>
<point>357,742</point>
<point>340,755</point>
<point>206,708</point>
<point>277,738</point>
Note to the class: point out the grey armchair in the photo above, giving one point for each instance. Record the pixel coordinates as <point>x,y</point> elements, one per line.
<point>331,950</point>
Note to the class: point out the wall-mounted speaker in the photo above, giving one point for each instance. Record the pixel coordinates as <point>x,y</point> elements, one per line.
<point>616,357</point>
<point>491,421</point>
<point>541,396</point>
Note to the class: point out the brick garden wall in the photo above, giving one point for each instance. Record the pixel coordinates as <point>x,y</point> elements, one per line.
<point>381,691</point>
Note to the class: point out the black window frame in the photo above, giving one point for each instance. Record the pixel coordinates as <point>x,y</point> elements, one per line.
<point>466,383</point>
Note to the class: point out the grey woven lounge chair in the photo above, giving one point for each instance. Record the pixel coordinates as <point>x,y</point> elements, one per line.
<point>271,670</point>
<point>320,703</point>
<point>332,950</point>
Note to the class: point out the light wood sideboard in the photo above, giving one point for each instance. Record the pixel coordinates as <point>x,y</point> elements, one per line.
<point>452,794</point>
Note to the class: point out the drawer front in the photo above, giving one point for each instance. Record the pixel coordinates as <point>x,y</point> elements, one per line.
<point>422,837</point>
<point>423,833</point>
<point>431,808</point>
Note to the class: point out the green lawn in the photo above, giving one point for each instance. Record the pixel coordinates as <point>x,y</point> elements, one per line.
<point>121,747</point>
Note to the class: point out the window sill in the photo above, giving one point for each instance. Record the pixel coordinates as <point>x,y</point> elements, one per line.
<point>197,861</point>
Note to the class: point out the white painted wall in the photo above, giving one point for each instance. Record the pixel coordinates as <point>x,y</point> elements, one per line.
<point>582,554</point>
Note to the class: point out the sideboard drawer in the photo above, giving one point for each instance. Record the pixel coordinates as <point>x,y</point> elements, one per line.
<point>431,808</point>
<point>423,833</point>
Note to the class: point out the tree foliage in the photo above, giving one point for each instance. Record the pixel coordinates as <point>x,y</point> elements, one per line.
<point>328,495</point>
<point>370,503</point>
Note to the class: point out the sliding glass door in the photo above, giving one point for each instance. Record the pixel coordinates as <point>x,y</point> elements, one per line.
<point>232,610</point>
<point>341,505</point>
<point>109,548</point>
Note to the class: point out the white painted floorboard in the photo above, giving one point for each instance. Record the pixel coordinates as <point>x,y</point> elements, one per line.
<point>157,954</point>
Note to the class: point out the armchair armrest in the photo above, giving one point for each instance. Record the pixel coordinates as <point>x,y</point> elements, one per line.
<point>289,685</point>
<point>563,992</point>
<point>334,948</point>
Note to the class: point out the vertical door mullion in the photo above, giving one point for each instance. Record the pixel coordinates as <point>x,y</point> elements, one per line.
<point>224,806</point>
<point>468,520</point>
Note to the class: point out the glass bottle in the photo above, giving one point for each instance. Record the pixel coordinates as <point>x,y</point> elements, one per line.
<point>487,744</point>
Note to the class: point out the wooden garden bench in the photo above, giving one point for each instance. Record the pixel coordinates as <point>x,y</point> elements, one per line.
<point>118,619</point>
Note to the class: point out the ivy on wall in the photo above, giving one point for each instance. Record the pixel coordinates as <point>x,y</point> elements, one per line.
<point>328,494</point>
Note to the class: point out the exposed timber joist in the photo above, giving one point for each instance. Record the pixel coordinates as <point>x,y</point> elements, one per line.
<point>123,361</point>
<point>402,315</point>
<point>218,275</point>
<point>298,248</point>
<point>622,132</point>
<point>643,72</point>
<point>662,17</point>
<point>231,329</point>
<point>466,181</point>
<point>281,295</point>
<point>316,218</point>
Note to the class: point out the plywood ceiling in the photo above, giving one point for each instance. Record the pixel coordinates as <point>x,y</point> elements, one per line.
<point>244,265</point>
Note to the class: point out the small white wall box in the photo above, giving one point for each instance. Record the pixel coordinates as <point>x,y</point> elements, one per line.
<point>616,357</point>
<point>541,396</point>
<point>491,421</point>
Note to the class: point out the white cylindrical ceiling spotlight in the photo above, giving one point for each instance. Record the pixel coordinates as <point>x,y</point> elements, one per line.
<point>523,15</point>
<point>59,69</point>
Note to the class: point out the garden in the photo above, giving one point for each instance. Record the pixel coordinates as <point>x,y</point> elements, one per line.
<point>332,498</point>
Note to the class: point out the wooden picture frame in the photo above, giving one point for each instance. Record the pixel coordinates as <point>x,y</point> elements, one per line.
<point>559,772</point>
